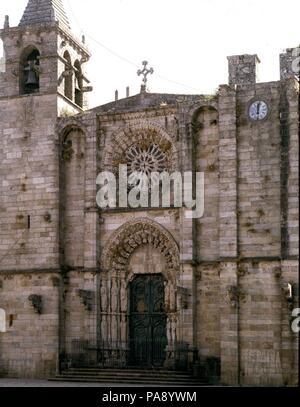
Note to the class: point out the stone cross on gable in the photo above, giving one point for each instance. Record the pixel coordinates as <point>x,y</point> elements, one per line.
<point>145,72</point>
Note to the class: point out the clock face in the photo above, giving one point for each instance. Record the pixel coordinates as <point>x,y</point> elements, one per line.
<point>258,110</point>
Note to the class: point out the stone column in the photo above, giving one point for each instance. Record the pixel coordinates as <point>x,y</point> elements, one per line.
<point>104,309</point>
<point>290,266</point>
<point>292,175</point>
<point>172,322</point>
<point>229,321</point>
<point>228,236</point>
<point>91,220</point>
<point>114,293</point>
<point>124,310</point>
<point>228,173</point>
<point>186,305</point>
<point>186,290</point>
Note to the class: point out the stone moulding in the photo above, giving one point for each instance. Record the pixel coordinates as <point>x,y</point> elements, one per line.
<point>66,124</point>
<point>141,134</point>
<point>134,234</point>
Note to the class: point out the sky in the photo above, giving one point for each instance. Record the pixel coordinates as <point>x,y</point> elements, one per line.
<point>185,41</point>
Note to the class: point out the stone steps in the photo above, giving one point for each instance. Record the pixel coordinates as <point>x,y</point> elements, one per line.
<point>130,376</point>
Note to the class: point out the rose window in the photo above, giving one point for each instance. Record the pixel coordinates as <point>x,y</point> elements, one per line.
<point>142,162</point>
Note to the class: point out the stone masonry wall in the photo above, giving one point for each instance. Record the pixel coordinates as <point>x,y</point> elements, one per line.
<point>207,161</point>
<point>234,261</point>
<point>29,183</point>
<point>259,156</point>
<point>80,323</point>
<point>267,343</point>
<point>29,347</point>
<point>208,311</point>
<point>73,198</point>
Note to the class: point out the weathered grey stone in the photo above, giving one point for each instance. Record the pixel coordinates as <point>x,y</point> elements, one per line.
<point>43,12</point>
<point>223,272</point>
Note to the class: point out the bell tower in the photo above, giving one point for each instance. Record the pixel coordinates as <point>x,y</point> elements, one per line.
<point>42,78</point>
<point>43,57</point>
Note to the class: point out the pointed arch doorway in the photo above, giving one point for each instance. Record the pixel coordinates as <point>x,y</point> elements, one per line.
<point>148,321</point>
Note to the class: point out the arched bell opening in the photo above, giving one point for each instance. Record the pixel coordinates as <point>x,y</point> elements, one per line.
<point>30,71</point>
<point>68,75</point>
<point>78,84</point>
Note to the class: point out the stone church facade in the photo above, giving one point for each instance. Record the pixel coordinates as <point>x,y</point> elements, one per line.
<point>146,286</point>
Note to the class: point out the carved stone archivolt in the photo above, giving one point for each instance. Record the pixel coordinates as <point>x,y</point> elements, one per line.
<point>66,125</point>
<point>147,139</point>
<point>135,234</point>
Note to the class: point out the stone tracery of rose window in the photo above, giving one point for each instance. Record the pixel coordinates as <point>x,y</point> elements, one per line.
<point>145,161</point>
<point>142,150</point>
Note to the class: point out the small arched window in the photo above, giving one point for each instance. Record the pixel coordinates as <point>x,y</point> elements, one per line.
<point>78,84</point>
<point>68,85</point>
<point>30,71</point>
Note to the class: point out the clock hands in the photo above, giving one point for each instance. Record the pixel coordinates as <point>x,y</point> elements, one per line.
<point>258,109</point>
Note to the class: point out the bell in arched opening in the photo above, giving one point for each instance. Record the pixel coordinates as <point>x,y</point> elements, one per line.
<point>78,84</point>
<point>30,71</point>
